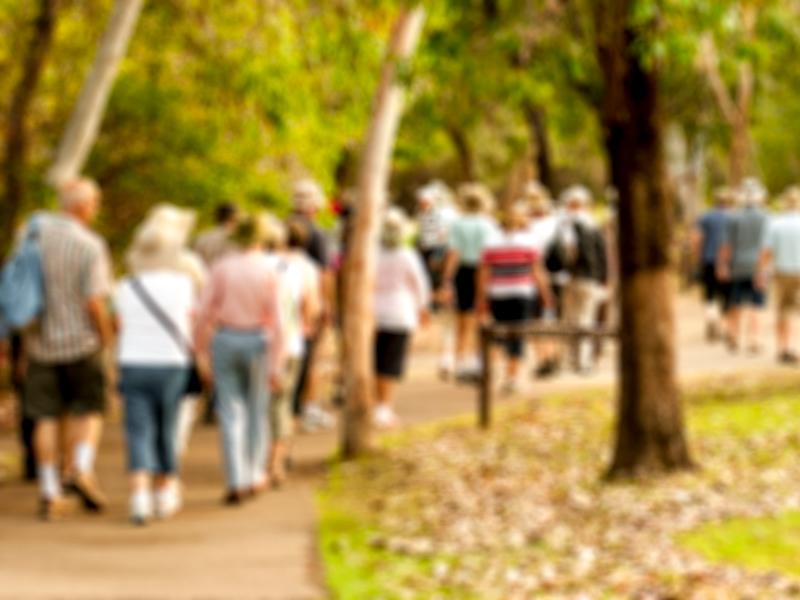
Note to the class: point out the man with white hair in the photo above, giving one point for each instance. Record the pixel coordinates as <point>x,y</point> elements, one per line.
<point>66,373</point>
<point>581,251</point>
<point>781,252</point>
<point>740,246</point>
<point>308,199</point>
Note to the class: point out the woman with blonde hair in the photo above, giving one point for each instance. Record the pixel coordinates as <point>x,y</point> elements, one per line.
<point>467,238</point>
<point>240,344</point>
<point>402,295</point>
<point>154,304</point>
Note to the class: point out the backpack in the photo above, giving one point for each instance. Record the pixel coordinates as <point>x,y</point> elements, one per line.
<point>586,258</point>
<point>22,283</point>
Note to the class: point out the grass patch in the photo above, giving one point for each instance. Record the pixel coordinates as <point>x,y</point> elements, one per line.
<point>771,544</point>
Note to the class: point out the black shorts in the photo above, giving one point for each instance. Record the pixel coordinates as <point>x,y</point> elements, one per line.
<point>743,292</point>
<point>512,310</point>
<point>713,289</point>
<point>391,348</point>
<point>433,259</point>
<point>76,388</point>
<point>466,288</point>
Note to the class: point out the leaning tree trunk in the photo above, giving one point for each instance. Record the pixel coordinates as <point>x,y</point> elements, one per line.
<point>17,134</point>
<point>84,123</point>
<point>650,432</point>
<point>361,262</point>
<point>540,142</point>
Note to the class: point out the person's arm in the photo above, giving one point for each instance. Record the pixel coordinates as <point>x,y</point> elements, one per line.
<point>97,307</point>
<point>696,243</point>
<point>542,280</point>
<point>482,291</point>
<point>310,303</point>
<point>97,291</point>
<point>274,327</point>
<point>205,321</point>
<point>421,286</point>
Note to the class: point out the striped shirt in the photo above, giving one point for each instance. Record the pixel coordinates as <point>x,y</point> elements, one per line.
<point>76,267</point>
<point>510,258</point>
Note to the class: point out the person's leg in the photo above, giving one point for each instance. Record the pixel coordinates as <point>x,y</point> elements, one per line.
<point>588,297</point>
<point>140,418</point>
<point>280,419</point>
<point>172,384</point>
<point>45,440</point>
<point>257,406</point>
<point>230,412</point>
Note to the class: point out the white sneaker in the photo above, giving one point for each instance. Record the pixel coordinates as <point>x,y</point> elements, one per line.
<point>385,418</point>
<point>168,502</point>
<point>141,507</point>
<point>510,387</point>
<point>315,419</point>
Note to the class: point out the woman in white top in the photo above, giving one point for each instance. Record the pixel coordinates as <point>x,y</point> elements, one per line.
<point>300,306</point>
<point>154,304</point>
<point>402,295</point>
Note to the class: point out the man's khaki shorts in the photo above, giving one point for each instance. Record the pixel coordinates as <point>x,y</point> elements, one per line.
<point>787,293</point>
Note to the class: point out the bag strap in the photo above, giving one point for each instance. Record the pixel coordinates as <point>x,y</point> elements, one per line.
<point>158,313</point>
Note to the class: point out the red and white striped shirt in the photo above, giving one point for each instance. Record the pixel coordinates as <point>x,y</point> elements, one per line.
<point>510,257</point>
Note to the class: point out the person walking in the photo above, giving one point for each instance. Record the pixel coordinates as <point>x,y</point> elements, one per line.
<point>214,244</point>
<point>582,253</point>
<point>511,280</point>
<point>299,308</point>
<point>240,347</point>
<point>155,304</point>
<point>781,254</point>
<point>66,373</point>
<point>308,200</point>
<point>706,242</point>
<point>402,297</point>
<point>467,239</point>
<point>740,247</point>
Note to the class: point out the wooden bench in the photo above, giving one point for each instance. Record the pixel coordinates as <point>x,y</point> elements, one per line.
<point>498,332</point>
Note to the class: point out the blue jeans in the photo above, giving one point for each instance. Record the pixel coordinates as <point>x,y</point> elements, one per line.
<point>240,375</point>
<point>152,395</point>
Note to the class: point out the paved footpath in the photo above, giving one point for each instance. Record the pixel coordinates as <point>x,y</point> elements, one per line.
<point>263,550</point>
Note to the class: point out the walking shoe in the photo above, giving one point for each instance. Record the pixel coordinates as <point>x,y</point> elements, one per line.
<point>316,419</point>
<point>84,485</point>
<point>55,508</point>
<point>547,369</point>
<point>168,502</point>
<point>234,498</point>
<point>140,507</point>
<point>385,418</point>
<point>788,358</point>
<point>712,332</point>
<point>510,387</point>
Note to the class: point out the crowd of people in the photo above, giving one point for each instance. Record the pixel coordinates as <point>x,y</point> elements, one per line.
<point>740,247</point>
<point>236,314</point>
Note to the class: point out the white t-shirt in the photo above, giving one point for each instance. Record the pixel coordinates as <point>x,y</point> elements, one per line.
<point>143,340</point>
<point>401,290</point>
<point>543,233</point>
<point>299,276</point>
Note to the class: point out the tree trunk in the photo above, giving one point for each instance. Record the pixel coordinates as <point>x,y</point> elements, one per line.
<point>650,432</point>
<point>17,133</point>
<point>740,148</point>
<point>540,142</point>
<point>84,123</point>
<point>466,159</point>
<point>361,261</point>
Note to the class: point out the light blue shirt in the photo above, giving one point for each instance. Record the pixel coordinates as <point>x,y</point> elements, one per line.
<point>783,239</point>
<point>468,237</point>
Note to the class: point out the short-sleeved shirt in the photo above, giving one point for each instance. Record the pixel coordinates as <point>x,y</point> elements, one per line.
<point>76,267</point>
<point>468,237</point>
<point>783,239</point>
<point>299,277</point>
<point>744,232</point>
<point>510,257</point>
<point>712,224</point>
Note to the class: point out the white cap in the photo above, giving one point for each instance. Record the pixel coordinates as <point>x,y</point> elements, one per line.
<point>576,194</point>
<point>752,192</point>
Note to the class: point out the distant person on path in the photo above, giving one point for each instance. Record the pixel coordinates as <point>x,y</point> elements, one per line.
<point>740,247</point>
<point>299,308</point>
<point>469,235</point>
<point>215,243</point>
<point>706,243</point>
<point>781,253</point>
<point>155,305</point>
<point>309,199</point>
<point>66,372</point>
<point>402,297</point>
<point>582,254</point>
<point>240,344</point>
<point>435,215</point>
<point>511,283</point>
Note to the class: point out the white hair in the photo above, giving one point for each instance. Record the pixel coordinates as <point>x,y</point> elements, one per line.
<point>307,195</point>
<point>436,192</point>
<point>75,192</point>
<point>395,227</point>
<point>576,194</point>
<point>752,192</point>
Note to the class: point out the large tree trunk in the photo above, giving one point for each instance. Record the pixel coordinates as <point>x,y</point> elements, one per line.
<point>84,123</point>
<point>540,142</point>
<point>361,261</point>
<point>466,158</point>
<point>15,170</point>
<point>650,432</point>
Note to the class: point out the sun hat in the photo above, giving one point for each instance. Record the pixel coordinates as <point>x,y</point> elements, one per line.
<point>475,198</point>
<point>395,228</point>
<point>307,195</point>
<point>576,195</point>
<point>161,240</point>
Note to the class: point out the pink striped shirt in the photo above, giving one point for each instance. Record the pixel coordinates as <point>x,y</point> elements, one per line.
<point>243,294</point>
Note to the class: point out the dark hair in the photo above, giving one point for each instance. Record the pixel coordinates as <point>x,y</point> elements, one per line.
<point>296,234</point>
<point>225,213</point>
<point>246,233</point>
